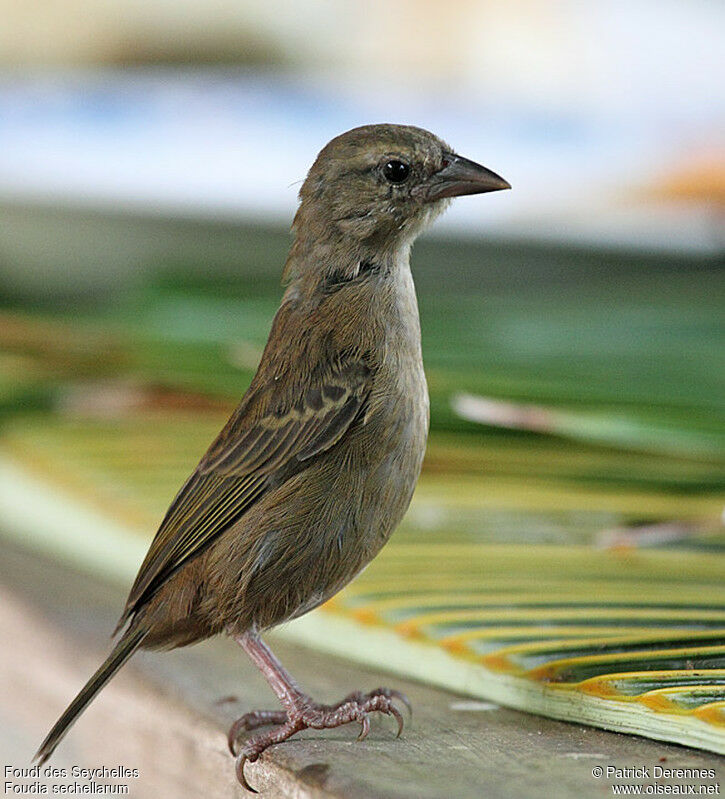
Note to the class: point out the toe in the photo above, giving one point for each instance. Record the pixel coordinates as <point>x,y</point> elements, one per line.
<point>252,721</point>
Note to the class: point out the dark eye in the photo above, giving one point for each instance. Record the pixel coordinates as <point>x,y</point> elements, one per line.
<point>396,171</point>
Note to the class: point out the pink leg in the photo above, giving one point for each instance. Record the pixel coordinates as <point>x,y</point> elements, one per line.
<point>300,711</point>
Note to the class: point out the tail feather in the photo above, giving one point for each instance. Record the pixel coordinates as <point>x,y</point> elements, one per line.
<point>123,650</point>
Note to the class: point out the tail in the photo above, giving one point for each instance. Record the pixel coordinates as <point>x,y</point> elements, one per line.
<point>123,650</point>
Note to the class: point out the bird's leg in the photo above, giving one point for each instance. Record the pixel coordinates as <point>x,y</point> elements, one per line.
<point>300,711</point>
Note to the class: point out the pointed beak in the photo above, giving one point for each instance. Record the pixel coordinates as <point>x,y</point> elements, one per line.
<point>460,176</point>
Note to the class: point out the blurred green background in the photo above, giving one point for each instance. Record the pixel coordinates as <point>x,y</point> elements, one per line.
<point>573,336</point>
<point>621,352</point>
<point>573,329</point>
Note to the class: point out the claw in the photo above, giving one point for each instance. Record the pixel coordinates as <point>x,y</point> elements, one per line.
<point>398,717</point>
<point>233,734</point>
<point>404,699</point>
<point>364,728</point>
<point>241,760</point>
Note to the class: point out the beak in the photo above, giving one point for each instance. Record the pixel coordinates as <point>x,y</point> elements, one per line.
<point>460,176</point>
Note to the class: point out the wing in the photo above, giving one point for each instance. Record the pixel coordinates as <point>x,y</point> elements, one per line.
<point>267,437</point>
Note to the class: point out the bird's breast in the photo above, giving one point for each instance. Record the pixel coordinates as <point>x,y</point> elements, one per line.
<point>395,425</point>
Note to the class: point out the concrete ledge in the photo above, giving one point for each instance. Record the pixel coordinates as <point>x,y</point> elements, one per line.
<point>166,714</point>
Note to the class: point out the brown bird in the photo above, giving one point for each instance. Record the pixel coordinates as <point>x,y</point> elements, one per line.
<point>317,465</point>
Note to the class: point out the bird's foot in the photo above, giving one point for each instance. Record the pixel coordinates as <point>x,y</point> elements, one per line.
<point>303,714</point>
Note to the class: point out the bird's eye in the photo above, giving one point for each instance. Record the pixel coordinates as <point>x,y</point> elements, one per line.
<point>396,171</point>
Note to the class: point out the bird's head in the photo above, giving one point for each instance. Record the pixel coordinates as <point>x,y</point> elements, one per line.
<point>382,184</point>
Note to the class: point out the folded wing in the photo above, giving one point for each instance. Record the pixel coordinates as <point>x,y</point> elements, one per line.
<point>251,453</point>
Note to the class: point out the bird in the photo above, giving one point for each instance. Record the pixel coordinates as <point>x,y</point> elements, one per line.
<point>318,463</point>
